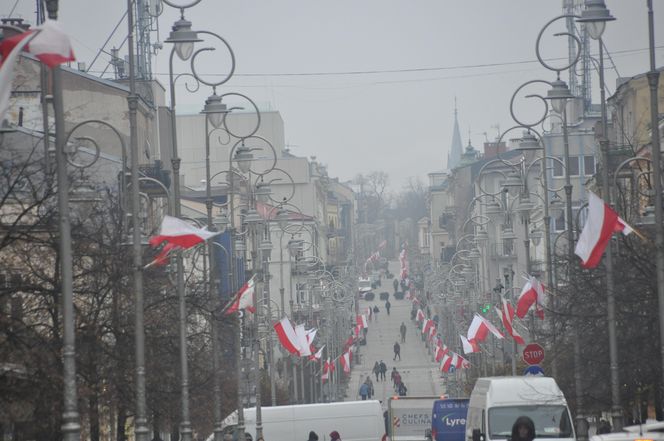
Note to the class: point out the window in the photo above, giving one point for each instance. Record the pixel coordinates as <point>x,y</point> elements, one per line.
<point>559,170</point>
<point>551,421</point>
<point>588,165</point>
<point>559,222</point>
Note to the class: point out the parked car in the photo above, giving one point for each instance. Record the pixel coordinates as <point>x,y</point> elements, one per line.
<point>629,436</point>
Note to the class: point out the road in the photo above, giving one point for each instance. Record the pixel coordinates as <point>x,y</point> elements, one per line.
<point>418,370</point>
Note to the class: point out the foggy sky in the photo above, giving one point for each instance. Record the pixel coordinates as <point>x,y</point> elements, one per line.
<point>398,122</point>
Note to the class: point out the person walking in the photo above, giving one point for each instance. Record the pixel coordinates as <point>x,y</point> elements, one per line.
<point>383,370</point>
<point>395,284</point>
<point>388,305</point>
<point>371,388</point>
<point>376,311</point>
<point>523,429</point>
<point>376,370</point>
<point>364,391</point>
<point>397,351</point>
<point>403,390</point>
<point>312,436</point>
<point>334,436</point>
<point>402,331</point>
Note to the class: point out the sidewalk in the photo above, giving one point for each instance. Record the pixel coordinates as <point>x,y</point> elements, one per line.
<point>418,371</point>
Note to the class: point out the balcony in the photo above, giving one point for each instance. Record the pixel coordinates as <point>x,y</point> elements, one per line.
<point>157,172</point>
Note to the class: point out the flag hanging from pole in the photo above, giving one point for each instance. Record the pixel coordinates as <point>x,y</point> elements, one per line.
<point>244,298</point>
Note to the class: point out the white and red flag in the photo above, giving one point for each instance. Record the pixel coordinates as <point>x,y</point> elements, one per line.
<point>287,337</point>
<point>480,327</point>
<point>441,350</point>
<point>311,334</point>
<point>357,330</point>
<point>428,323</point>
<point>602,222</point>
<point>317,354</point>
<point>469,346</point>
<point>244,298</point>
<point>532,293</point>
<point>302,340</point>
<point>420,315</point>
<point>177,234</point>
<point>506,314</point>
<point>432,331</point>
<point>345,361</point>
<point>362,321</point>
<point>47,42</point>
<point>326,370</point>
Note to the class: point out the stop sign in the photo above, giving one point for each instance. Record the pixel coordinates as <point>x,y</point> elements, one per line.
<point>533,354</point>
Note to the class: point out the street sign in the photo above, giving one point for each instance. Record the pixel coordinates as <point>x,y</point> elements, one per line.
<point>533,370</point>
<point>533,354</point>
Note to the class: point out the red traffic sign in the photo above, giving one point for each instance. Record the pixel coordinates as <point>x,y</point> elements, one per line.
<point>533,354</point>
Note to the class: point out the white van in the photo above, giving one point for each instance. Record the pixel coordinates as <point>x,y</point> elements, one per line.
<point>354,420</point>
<point>497,402</point>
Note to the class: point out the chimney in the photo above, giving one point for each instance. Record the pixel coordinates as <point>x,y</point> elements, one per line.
<point>493,149</point>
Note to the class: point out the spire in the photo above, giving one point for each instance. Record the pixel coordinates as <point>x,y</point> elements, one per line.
<point>456,149</point>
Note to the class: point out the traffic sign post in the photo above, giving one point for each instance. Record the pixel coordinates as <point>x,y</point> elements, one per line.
<point>533,354</point>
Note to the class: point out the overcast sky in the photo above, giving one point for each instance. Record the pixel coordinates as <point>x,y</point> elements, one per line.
<point>302,58</point>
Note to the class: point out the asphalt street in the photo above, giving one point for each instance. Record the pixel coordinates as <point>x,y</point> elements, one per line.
<point>418,370</point>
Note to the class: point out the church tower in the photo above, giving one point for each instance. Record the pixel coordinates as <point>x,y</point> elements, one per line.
<point>456,149</point>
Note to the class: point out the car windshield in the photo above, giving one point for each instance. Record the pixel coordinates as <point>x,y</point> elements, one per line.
<point>550,421</point>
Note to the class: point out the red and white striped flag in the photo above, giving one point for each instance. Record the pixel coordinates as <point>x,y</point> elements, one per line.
<point>326,370</point>
<point>287,337</point>
<point>428,323</point>
<point>469,346</point>
<point>532,293</point>
<point>480,327</point>
<point>177,233</point>
<point>303,341</point>
<point>244,298</point>
<point>345,361</point>
<point>506,314</point>
<point>362,321</point>
<point>420,315</point>
<point>602,222</point>
<point>316,355</point>
<point>47,42</point>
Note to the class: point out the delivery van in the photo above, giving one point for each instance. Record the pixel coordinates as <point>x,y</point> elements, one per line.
<point>354,420</point>
<point>448,419</point>
<point>497,402</point>
<point>409,418</point>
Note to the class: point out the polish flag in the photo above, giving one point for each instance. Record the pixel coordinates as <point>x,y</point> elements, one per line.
<point>317,355</point>
<point>303,341</point>
<point>480,327</point>
<point>440,352</point>
<point>462,363</point>
<point>427,326</point>
<point>326,370</point>
<point>432,332</point>
<point>532,293</point>
<point>420,315</point>
<point>602,222</point>
<point>177,233</point>
<point>469,346</point>
<point>287,336</point>
<point>446,362</point>
<point>244,298</point>
<point>311,334</point>
<point>47,42</point>
<point>362,321</point>
<point>345,362</point>
<point>357,330</point>
<point>506,314</point>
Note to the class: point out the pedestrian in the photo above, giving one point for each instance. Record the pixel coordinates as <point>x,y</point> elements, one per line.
<point>376,370</point>
<point>364,390</point>
<point>312,436</point>
<point>376,311</point>
<point>395,284</point>
<point>371,388</point>
<point>397,351</point>
<point>402,389</point>
<point>603,427</point>
<point>523,429</point>
<point>383,370</point>
<point>334,436</point>
<point>397,381</point>
<point>388,305</point>
<point>393,375</point>
<point>402,331</point>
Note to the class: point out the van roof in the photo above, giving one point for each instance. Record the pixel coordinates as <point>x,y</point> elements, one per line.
<point>512,391</point>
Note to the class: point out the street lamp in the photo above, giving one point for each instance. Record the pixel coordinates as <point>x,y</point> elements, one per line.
<point>595,15</point>
<point>183,37</point>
